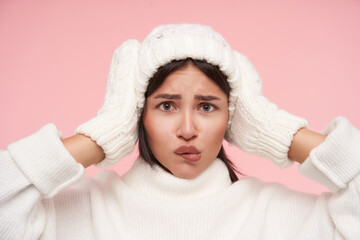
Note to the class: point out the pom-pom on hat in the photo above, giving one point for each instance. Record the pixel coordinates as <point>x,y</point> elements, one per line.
<point>180,41</point>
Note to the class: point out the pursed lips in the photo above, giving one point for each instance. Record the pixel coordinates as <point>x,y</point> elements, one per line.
<point>190,153</point>
<point>187,150</point>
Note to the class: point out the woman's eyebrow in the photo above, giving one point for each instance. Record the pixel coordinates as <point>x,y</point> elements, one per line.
<point>168,96</point>
<point>178,96</point>
<point>206,98</point>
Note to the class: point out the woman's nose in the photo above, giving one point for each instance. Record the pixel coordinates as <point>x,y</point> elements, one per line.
<point>187,126</point>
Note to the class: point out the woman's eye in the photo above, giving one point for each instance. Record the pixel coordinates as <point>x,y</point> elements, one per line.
<point>166,106</point>
<point>207,108</point>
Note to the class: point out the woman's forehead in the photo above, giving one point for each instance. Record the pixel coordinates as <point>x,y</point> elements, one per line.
<point>189,80</point>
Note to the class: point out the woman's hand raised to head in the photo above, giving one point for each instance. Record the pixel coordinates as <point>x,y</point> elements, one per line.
<point>114,127</point>
<point>259,126</point>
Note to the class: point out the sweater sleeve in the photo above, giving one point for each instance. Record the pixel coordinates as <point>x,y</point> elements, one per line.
<point>336,165</point>
<point>33,169</point>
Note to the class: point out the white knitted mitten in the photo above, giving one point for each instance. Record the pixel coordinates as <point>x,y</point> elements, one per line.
<point>258,126</point>
<point>114,127</point>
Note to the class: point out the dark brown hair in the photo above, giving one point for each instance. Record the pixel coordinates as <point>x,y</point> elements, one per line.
<point>211,71</point>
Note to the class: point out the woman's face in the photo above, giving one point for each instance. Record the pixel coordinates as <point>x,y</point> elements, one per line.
<point>185,121</point>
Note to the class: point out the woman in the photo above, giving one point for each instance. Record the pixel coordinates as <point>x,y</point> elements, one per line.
<point>182,91</point>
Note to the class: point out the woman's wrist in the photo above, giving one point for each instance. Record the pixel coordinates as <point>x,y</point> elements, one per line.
<point>303,142</point>
<point>84,150</point>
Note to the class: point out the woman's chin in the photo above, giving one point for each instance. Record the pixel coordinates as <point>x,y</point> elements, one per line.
<point>185,173</point>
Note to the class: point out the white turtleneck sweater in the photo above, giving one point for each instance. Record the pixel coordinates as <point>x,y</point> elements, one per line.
<point>44,195</point>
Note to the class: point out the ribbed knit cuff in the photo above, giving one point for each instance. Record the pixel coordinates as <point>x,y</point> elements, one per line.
<point>125,143</point>
<point>335,162</point>
<point>275,139</point>
<point>116,136</point>
<point>45,161</point>
<point>12,179</point>
<point>259,127</point>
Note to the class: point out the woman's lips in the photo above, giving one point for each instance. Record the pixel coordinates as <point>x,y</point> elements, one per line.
<point>189,153</point>
<point>193,157</point>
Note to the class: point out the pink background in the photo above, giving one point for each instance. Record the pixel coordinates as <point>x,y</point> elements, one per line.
<point>55,55</point>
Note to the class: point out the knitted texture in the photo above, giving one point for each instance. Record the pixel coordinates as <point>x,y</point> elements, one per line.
<point>114,127</point>
<point>29,152</point>
<point>258,125</point>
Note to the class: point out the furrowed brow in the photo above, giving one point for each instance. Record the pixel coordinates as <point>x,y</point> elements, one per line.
<point>206,98</point>
<point>168,96</point>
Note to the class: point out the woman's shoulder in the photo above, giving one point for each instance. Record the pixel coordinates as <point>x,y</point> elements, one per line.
<point>255,187</point>
<point>102,183</point>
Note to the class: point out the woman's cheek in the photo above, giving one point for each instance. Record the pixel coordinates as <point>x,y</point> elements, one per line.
<point>163,125</point>
<point>214,129</point>
<point>216,123</point>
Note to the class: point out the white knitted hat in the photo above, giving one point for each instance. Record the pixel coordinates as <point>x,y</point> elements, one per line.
<point>180,41</point>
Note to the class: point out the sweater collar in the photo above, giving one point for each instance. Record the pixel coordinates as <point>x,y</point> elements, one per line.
<point>158,183</point>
